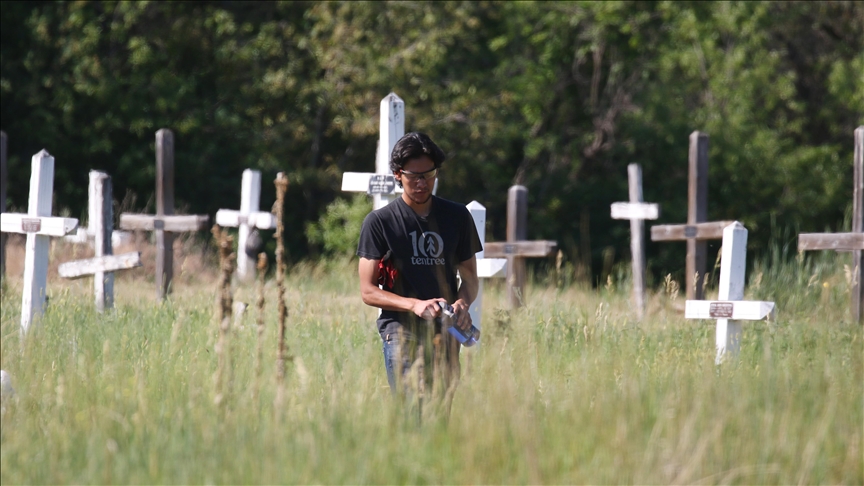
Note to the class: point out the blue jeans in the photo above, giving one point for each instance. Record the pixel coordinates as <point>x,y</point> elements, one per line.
<point>392,356</point>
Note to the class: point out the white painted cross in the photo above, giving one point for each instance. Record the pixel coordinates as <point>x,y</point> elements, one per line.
<point>94,206</point>
<point>247,218</point>
<point>637,212</point>
<point>486,267</point>
<point>730,308</point>
<point>38,225</point>
<point>104,263</point>
<point>381,184</point>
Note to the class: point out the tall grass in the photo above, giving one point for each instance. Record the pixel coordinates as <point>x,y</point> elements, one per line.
<point>569,389</point>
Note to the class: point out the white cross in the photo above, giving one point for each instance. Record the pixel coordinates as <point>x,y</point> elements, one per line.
<point>381,185</point>
<point>94,205</point>
<point>246,219</point>
<point>38,225</point>
<point>101,224</point>
<point>730,308</point>
<point>637,212</point>
<point>486,267</point>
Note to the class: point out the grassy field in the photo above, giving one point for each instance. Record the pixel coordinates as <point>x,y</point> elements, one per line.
<point>570,389</point>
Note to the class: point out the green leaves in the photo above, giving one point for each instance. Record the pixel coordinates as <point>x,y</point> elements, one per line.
<point>559,97</point>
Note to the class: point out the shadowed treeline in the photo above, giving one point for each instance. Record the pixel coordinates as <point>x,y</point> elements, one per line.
<point>559,97</point>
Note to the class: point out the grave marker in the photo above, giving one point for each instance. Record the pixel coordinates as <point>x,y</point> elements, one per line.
<point>730,306</point>
<point>94,206</point>
<point>486,267</point>
<point>697,230</point>
<point>853,241</point>
<point>38,225</point>
<point>104,263</point>
<point>636,211</point>
<point>164,223</point>
<point>246,219</point>
<point>381,185</point>
<point>516,249</point>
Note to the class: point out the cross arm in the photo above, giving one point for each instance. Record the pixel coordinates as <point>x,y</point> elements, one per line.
<point>107,263</point>
<point>40,225</point>
<point>831,241</point>
<point>681,232</point>
<point>538,248</point>
<point>261,220</point>
<point>359,182</point>
<point>742,310</point>
<point>173,224</point>
<point>628,210</point>
<point>491,267</point>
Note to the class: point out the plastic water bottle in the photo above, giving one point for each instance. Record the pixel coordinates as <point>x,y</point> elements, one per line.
<point>467,338</point>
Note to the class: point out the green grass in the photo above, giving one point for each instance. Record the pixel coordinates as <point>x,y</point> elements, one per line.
<point>570,389</point>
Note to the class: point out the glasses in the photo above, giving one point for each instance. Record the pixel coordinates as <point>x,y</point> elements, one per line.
<point>416,176</point>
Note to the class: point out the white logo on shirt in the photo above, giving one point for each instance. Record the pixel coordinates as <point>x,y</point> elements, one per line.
<point>428,248</point>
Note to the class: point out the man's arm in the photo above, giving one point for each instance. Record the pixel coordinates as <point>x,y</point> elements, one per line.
<point>376,297</point>
<point>467,292</point>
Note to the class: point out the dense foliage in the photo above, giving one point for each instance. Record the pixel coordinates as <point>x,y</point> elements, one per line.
<point>557,96</point>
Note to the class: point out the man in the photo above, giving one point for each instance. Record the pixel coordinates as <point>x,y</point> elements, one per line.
<point>412,248</point>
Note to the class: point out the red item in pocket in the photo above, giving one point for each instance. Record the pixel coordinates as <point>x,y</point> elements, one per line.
<point>387,272</point>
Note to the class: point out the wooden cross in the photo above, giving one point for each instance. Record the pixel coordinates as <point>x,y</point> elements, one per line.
<point>516,249</point>
<point>697,230</point>
<point>104,263</point>
<point>853,241</point>
<point>38,225</point>
<point>164,223</point>
<point>246,219</point>
<point>486,267</point>
<point>636,211</point>
<point>730,306</point>
<point>3,177</point>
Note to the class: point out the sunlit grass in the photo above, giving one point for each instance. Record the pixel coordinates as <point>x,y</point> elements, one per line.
<point>570,389</point>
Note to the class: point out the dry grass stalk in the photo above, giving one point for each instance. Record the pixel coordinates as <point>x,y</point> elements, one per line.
<point>262,268</point>
<point>281,187</point>
<point>226,267</point>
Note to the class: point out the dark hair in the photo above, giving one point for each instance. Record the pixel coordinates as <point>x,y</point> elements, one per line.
<point>414,145</point>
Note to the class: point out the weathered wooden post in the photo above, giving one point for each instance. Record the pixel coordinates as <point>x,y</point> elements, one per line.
<point>164,223</point>
<point>730,306</point>
<point>281,183</point>
<point>3,177</point>
<point>697,212</point>
<point>637,212</point>
<point>164,207</point>
<point>248,217</point>
<point>486,267</point>
<point>104,263</point>
<point>38,225</point>
<point>516,249</point>
<point>854,241</point>
<point>697,230</point>
<point>517,230</point>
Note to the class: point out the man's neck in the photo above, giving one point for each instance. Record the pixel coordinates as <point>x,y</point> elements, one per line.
<point>421,209</point>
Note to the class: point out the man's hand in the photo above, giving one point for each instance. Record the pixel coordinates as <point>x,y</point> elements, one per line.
<point>427,309</point>
<point>462,319</point>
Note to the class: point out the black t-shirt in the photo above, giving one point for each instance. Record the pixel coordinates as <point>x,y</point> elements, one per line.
<point>424,251</point>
